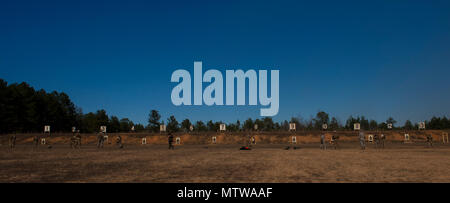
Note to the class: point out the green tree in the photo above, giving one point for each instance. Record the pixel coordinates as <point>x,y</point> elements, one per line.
<point>186,125</point>
<point>114,124</point>
<point>320,119</point>
<point>139,128</point>
<point>334,124</point>
<point>364,123</point>
<point>373,125</point>
<point>248,124</point>
<point>153,121</point>
<point>268,124</point>
<point>408,125</point>
<point>172,124</point>
<point>382,126</point>
<point>125,125</point>
<point>200,126</point>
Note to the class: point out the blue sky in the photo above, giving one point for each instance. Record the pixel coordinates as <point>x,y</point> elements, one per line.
<point>372,58</point>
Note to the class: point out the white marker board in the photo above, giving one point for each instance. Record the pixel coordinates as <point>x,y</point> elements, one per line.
<point>223,127</point>
<point>292,126</point>
<point>356,126</point>
<point>103,129</point>
<point>162,128</point>
<point>370,138</point>
<point>389,125</point>
<point>422,126</point>
<point>444,138</point>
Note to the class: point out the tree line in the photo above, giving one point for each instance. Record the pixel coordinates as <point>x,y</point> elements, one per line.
<point>26,110</point>
<point>267,124</point>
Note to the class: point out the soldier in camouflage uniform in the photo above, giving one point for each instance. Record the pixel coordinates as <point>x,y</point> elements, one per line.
<point>323,144</point>
<point>72,142</point>
<point>382,140</point>
<point>334,140</point>
<point>430,140</point>
<point>12,141</point>
<point>119,141</point>
<point>75,142</point>
<point>170,139</point>
<point>376,139</point>
<point>36,141</point>
<point>362,140</point>
<point>78,138</point>
<point>100,140</point>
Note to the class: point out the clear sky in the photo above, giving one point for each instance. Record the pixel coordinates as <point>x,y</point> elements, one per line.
<point>373,58</point>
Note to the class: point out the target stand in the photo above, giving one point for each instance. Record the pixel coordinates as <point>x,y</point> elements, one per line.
<point>444,138</point>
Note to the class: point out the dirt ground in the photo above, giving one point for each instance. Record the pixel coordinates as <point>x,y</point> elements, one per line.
<point>398,162</point>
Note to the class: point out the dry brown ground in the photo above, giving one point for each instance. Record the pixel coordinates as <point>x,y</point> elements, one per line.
<point>225,163</point>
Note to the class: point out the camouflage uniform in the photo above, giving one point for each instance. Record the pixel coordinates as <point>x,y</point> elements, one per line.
<point>75,141</point>
<point>12,141</point>
<point>119,141</point>
<point>72,142</point>
<point>382,140</point>
<point>100,140</point>
<point>36,141</point>
<point>430,140</point>
<point>377,140</point>
<point>335,139</point>
<point>170,139</point>
<point>79,138</point>
<point>323,145</point>
<point>362,140</point>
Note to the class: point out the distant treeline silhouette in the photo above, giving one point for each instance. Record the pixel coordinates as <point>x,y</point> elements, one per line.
<point>25,110</point>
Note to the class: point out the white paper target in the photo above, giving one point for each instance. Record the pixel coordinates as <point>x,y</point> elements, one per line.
<point>389,125</point>
<point>292,126</point>
<point>43,141</point>
<point>406,137</point>
<point>356,126</point>
<point>132,128</point>
<point>370,138</point>
<point>223,127</point>
<point>255,127</point>
<point>214,140</point>
<point>191,128</point>
<point>47,129</point>
<point>74,129</point>
<point>162,128</point>
<point>178,140</point>
<point>422,125</point>
<point>324,126</point>
<point>294,140</point>
<point>144,140</point>
<point>103,129</point>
